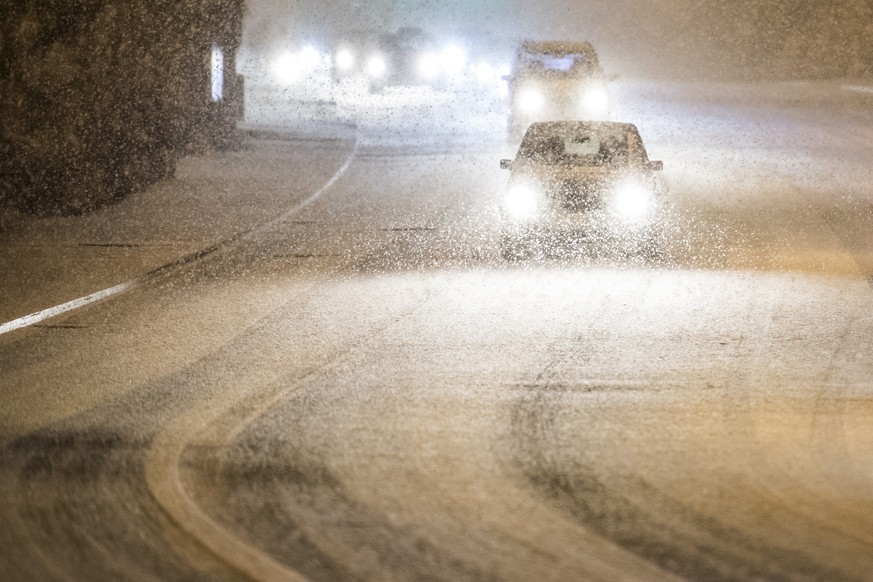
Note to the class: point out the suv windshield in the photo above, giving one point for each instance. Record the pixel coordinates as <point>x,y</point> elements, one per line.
<point>582,147</point>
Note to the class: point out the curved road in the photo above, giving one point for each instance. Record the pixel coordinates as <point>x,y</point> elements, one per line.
<point>350,385</point>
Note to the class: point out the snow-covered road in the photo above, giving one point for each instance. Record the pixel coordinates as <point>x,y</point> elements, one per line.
<point>359,388</point>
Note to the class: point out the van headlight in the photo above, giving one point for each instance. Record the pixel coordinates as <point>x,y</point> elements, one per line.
<point>633,201</point>
<point>595,100</point>
<point>531,100</point>
<point>521,201</point>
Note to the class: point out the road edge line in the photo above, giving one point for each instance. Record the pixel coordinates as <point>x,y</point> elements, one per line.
<point>40,316</point>
<point>165,483</point>
<point>51,312</point>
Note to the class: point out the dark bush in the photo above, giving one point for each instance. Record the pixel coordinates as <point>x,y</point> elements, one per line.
<point>100,97</point>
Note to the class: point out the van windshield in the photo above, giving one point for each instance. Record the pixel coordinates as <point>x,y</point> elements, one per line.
<point>557,64</point>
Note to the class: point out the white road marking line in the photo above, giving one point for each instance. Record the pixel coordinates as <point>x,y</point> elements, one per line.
<point>41,316</point>
<point>858,88</point>
<point>165,483</point>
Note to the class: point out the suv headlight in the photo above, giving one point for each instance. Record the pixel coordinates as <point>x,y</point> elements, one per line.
<point>633,201</point>
<point>521,201</point>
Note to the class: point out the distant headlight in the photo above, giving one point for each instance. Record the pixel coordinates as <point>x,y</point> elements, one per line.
<point>376,66</point>
<point>595,100</point>
<point>344,59</point>
<point>530,100</point>
<point>292,66</point>
<point>309,57</point>
<point>429,65</point>
<point>632,201</point>
<point>454,59</point>
<point>287,68</point>
<point>484,72</point>
<point>521,201</point>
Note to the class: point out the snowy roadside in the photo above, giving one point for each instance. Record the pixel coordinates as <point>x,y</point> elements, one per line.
<point>48,261</point>
<point>846,92</point>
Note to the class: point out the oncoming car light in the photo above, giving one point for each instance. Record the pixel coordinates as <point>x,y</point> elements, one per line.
<point>309,57</point>
<point>345,59</point>
<point>595,100</point>
<point>521,201</point>
<point>293,66</point>
<point>454,59</point>
<point>287,68</point>
<point>632,201</point>
<point>429,65</point>
<point>531,100</point>
<point>376,66</point>
<point>484,72</point>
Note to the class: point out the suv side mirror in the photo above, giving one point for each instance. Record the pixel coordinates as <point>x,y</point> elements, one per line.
<point>655,166</point>
<point>505,164</point>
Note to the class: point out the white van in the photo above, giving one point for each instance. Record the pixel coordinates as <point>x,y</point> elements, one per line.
<point>555,80</point>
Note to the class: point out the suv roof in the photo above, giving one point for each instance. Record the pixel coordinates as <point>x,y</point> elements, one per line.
<point>541,128</point>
